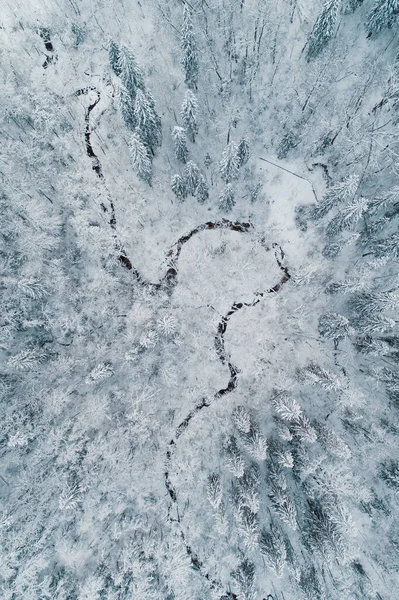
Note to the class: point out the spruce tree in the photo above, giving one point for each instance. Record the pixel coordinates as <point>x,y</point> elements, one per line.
<point>243,152</point>
<point>180,142</point>
<point>207,160</point>
<point>382,14</point>
<point>202,190</point>
<point>230,163</point>
<point>179,187</point>
<point>189,48</point>
<point>126,106</point>
<point>113,54</point>
<point>192,177</point>
<point>140,159</point>
<point>234,460</point>
<point>226,198</point>
<point>147,121</point>
<point>131,74</point>
<point>324,28</point>
<point>189,111</point>
<point>348,217</point>
<point>244,577</point>
<point>340,192</point>
<point>333,326</point>
<point>273,548</point>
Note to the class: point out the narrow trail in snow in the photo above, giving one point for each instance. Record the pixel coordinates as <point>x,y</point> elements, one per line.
<point>168,283</point>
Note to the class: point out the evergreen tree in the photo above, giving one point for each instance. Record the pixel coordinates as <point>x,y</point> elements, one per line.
<point>248,488</point>
<point>207,160</point>
<point>192,177</point>
<point>230,163</point>
<point>324,28</point>
<point>227,198</point>
<point>348,216</point>
<point>189,111</point>
<point>273,548</point>
<point>248,526</point>
<point>340,192</point>
<point>388,247</point>
<point>255,443</point>
<point>234,460</point>
<point>126,106</point>
<point>147,121</point>
<point>131,74</point>
<point>244,577</point>
<point>180,141</point>
<point>242,419</point>
<point>382,15</point>
<point>214,491</point>
<point>113,54</point>
<point>140,159</point>
<point>189,48</point>
<point>179,187</point>
<point>243,152</point>
<point>389,472</point>
<point>202,190</point>
<point>333,326</point>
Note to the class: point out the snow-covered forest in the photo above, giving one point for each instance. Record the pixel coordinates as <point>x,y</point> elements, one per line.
<point>199,338</point>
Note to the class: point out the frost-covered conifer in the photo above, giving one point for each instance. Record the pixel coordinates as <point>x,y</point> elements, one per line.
<point>248,526</point>
<point>100,372</point>
<point>388,247</point>
<point>324,28</point>
<point>242,419</point>
<point>333,326</point>
<point>126,106</point>
<point>283,506</point>
<point>113,54</point>
<point>234,459</point>
<point>207,160</point>
<point>286,407</point>
<point>147,121</point>
<point>244,577</point>
<point>332,442</point>
<point>227,198</point>
<point>382,14</point>
<point>189,49</point>
<point>340,192</point>
<point>214,491</point>
<point>284,458</point>
<point>192,176</point>
<point>140,159</point>
<point>202,190</point>
<point>230,163</point>
<point>130,73</point>
<point>189,112</point>
<point>255,443</point>
<point>180,142</point>
<point>248,488</point>
<point>179,187</point>
<point>304,430</point>
<point>389,471</point>
<point>313,374</point>
<point>243,152</point>
<point>273,548</point>
<point>347,217</point>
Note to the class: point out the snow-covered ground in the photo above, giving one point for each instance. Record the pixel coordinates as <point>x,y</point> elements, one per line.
<point>203,435</point>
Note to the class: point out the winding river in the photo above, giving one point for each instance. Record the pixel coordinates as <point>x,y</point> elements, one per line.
<point>168,283</point>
